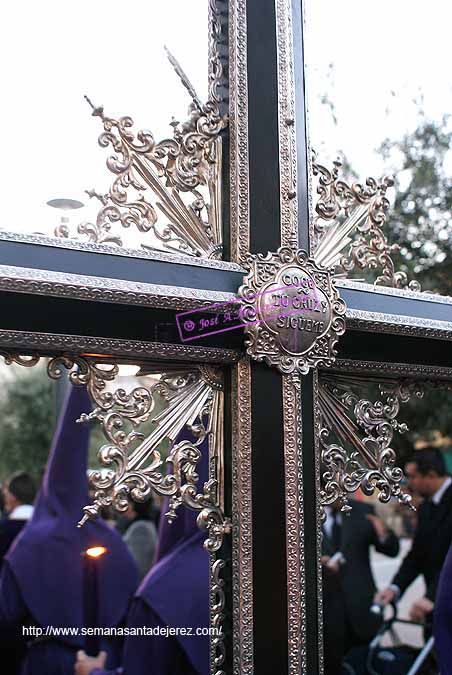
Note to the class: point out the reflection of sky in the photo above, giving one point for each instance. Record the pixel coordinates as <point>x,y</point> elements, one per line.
<point>383,54</point>
<point>53,53</point>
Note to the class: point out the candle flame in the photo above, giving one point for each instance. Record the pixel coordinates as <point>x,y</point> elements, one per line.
<point>95,551</point>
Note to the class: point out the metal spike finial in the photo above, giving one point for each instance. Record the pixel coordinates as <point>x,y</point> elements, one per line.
<point>183,78</point>
<point>98,111</point>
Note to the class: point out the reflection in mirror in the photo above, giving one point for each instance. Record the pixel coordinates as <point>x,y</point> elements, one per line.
<point>379,95</point>
<point>134,584</point>
<point>382,560</point>
<point>118,59</point>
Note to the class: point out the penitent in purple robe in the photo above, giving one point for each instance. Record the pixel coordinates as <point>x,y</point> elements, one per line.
<point>443,617</point>
<point>175,593</point>
<point>42,579</point>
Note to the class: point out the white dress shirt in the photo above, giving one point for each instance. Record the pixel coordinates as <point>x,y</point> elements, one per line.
<point>22,512</point>
<point>439,493</point>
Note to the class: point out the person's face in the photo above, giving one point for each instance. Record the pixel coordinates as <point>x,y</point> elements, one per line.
<point>419,484</point>
<point>9,499</point>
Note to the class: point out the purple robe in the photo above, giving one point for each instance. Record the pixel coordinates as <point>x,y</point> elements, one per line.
<point>42,580</point>
<point>443,617</point>
<point>174,593</point>
<point>184,526</point>
<point>9,529</point>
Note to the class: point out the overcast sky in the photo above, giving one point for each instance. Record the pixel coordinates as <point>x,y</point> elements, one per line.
<point>383,54</point>
<point>53,52</point>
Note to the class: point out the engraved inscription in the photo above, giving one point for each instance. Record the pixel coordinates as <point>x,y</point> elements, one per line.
<point>291,310</point>
<point>295,309</point>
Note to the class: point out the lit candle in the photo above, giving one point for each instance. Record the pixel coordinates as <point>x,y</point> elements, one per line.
<point>91,599</point>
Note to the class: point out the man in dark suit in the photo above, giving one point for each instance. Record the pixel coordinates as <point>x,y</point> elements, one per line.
<point>346,552</point>
<point>426,474</point>
<point>18,495</point>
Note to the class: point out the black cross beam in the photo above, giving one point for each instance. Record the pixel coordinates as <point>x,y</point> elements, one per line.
<point>67,297</point>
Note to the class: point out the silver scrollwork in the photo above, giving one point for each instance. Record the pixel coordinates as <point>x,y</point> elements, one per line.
<point>193,399</point>
<point>360,455</point>
<point>344,211</point>
<point>218,647</point>
<point>183,174</point>
<point>134,461</point>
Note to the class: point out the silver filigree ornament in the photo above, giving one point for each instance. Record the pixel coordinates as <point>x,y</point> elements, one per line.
<point>171,188</point>
<point>362,456</point>
<point>292,311</point>
<point>348,227</point>
<point>95,233</point>
<point>193,400</point>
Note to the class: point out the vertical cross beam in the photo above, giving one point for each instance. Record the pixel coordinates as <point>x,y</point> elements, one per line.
<point>270,615</point>
<point>284,513</point>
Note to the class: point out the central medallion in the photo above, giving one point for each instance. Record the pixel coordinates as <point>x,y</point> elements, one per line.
<point>292,311</point>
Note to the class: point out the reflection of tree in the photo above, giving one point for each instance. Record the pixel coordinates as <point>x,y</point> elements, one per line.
<point>421,220</point>
<point>27,413</point>
<point>429,422</point>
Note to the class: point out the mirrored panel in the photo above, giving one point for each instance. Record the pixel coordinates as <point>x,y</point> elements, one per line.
<point>140,67</point>
<point>387,494</point>
<point>138,452</point>
<point>379,94</point>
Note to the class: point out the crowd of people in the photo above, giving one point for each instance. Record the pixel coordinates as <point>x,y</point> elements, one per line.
<point>353,608</point>
<point>150,574</point>
<point>57,580</point>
